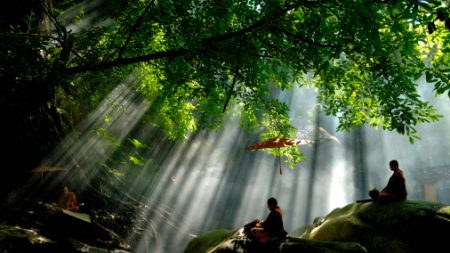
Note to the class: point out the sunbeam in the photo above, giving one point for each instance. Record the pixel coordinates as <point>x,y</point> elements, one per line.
<point>210,181</point>
<point>153,126</point>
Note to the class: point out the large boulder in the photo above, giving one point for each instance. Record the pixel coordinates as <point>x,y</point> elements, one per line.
<point>44,227</point>
<point>410,226</point>
<point>226,241</point>
<point>15,239</point>
<point>401,227</point>
<point>210,241</point>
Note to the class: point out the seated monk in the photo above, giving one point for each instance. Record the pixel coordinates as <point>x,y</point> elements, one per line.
<point>68,200</point>
<point>395,190</point>
<point>271,229</point>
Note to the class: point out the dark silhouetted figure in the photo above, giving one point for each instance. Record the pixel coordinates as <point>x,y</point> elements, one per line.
<point>68,200</point>
<point>395,189</point>
<point>271,229</point>
<point>273,224</point>
<point>267,235</point>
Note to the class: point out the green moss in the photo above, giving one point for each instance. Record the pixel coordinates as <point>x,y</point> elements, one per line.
<point>7,231</point>
<point>204,242</point>
<point>404,226</point>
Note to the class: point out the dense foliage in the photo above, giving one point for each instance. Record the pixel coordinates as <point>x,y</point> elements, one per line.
<point>197,60</point>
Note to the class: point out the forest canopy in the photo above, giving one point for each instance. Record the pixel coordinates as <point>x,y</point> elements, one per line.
<point>196,61</point>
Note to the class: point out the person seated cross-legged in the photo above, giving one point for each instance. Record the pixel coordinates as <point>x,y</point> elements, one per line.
<point>68,200</point>
<point>271,229</point>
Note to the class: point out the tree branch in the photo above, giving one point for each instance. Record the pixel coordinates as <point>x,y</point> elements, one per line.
<point>269,45</point>
<point>133,30</point>
<point>182,51</point>
<point>126,61</point>
<point>308,41</point>
<point>230,92</point>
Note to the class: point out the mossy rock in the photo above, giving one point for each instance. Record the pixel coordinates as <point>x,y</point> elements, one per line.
<point>410,226</point>
<point>15,239</point>
<point>225,241</point>
<point>206,242</point>
<point>401,227</point>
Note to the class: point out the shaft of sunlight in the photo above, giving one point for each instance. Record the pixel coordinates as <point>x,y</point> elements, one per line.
<point>84,151</point>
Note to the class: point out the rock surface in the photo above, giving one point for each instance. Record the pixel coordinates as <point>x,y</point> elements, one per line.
<point>403,227</point>
<point>14,239</point>
<point>227,241</point>
<point>410,226</point>
<point>45,228</point>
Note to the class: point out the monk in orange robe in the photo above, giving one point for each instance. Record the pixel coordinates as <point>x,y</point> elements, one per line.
<point>395,189</point>
<point>68,200</point>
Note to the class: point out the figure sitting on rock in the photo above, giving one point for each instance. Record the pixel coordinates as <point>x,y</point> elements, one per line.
<point>271,229</point>
<point>395,190</point>
<point>68,200</point>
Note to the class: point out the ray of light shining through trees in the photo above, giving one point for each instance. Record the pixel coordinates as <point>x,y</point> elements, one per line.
<point>210,181</point>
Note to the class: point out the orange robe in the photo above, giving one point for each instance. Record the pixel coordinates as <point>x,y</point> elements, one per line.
<point>69,201</point>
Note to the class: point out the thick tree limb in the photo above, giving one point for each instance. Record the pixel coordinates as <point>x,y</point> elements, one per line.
<point>182,51</point>
<point>126,61</point>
